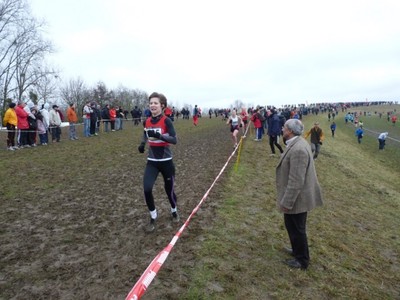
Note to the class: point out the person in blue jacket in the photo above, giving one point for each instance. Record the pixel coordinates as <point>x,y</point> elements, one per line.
<point>359,133</point>
<point>274,130</point>
<point>333,128</point>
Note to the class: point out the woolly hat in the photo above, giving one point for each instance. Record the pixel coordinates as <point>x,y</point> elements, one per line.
<point>30,104</point>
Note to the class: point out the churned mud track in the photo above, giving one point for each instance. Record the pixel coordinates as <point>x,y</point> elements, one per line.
<point>75,229</point>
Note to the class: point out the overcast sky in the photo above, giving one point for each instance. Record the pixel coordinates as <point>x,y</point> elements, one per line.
<point>212,52</point>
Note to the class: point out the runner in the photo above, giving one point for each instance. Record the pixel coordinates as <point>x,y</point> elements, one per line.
<point>195,115</point>
<point>245,118</point>
<point>159,132</point>
<point>236,122</point>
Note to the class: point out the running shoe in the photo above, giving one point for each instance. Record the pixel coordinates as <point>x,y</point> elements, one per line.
<point>175,217</point>
<point>151,226</point>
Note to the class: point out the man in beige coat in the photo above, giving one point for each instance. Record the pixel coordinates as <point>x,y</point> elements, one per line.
<point>298,190</point>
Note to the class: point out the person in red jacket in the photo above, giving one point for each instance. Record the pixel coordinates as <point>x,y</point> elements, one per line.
<point>23,125</point>
<point>159,133</point>
<point>245,116</point>
<point>394,120</point>
<point>257,119</point>
<point>196,113</point>
<point>169,113</point>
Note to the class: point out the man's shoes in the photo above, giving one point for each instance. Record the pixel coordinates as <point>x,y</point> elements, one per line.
<point>175,217</point>
<point>151,226</point>
<point>288,250</point>
<point>295,264</point>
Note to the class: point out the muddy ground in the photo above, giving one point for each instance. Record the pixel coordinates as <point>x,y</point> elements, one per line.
<point>73,214</point>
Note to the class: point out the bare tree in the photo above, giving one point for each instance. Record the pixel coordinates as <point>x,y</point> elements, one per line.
<point>140,98</point>
<point>47,85</point>
<point>23,49</point>
<point>11,13</point>
<point>123,97</point>
<point>238,104</point>
<point>31,52</point>
<point>74,91</point>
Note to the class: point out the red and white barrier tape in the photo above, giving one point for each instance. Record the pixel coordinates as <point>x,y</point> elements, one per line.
<point>150,273</point>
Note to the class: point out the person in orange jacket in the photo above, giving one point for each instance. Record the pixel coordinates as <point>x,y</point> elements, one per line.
<point>113,115</point>
<point>72,119</point>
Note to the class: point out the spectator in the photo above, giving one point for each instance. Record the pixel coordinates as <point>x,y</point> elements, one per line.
<point>10,120</point>
<point>32,127</point>
<point>55,124</point>
<point>317,137</point>
<point>86,119</point>
<point>298,191</point>
<point>72,119</point>
<point>93,119</point>
<point>333,128</point>
<point>98,121</point>
<point>359,133</point>
<point>119,118</point>
<point>274,130</point>
<point>105,115</point>
<point>41,128</point>
<point>257,119</point>
<point>382,140</point>
<point>22,124</point>
<point>136,115</point>
<point>44,111</point>
<point>113,115</point>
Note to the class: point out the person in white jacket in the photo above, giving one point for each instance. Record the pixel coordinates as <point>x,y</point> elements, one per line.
<point>55,123</point>
<point>382,139</point>
<point>44,110</point>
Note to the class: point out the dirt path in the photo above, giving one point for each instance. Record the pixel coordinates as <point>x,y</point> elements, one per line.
<point>87,241</point>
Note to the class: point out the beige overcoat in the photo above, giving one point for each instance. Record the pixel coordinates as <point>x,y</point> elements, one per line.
<point>297,184</point>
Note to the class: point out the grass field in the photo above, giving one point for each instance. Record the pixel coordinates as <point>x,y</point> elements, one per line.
<point>72,217</point>
<point>354,239</point>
